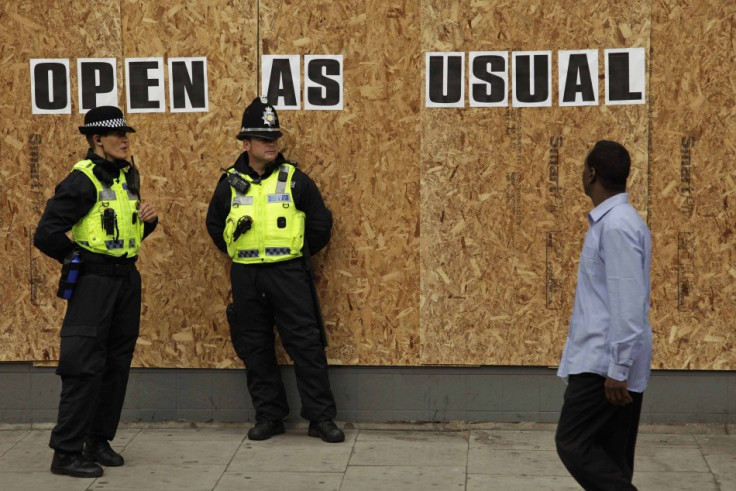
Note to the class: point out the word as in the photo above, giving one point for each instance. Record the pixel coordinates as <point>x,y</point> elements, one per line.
<point>323,81</point>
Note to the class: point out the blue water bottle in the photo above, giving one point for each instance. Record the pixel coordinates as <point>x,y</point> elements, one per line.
<point>69,276</point>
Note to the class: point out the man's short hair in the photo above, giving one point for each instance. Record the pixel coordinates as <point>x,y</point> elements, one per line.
<point>612,164</point>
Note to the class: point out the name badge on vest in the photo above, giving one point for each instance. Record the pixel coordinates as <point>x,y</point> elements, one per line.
<point>107,195</point>
<point>279,198</point>
<point>243,200</point>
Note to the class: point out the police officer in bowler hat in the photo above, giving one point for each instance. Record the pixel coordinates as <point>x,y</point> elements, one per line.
<point>269,217</point>
<point>99,202</point>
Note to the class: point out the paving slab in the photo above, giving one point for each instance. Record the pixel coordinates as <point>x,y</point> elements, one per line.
<point>723,468</point>
<point>447,452</point>
<point>489,460</point>
<point>179,452</point>
<point>189,435</point>
<point>41,481</point>
<point>412,436</point>
<point>12,436</point>
<point>485,482</point>
<point>40,437</point>
<point>26,458</point>
<point>404,478</point>
<point>280,481</point>
<point>152,477</point>
<point>665,440</point>
<point>519,440</point>
<point>666,459</point>
<point>717,444</point>
<point>290,452</point>
<point>4,447</point>
<point>675,481</point>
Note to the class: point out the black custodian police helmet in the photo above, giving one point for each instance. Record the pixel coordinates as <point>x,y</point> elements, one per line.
<point>102,119</point>
<point>260,119</point>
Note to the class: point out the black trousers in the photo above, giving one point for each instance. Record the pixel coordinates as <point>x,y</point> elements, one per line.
<point>279,294</point>
<point>98,338</point>
<point>595,439</point>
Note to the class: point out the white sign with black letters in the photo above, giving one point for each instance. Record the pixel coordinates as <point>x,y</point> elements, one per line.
<point>578,77</point>
<point>98,83</point>
<point>281,80</point>
<point>144,85</point>
<point>626,76</point>
<point>50,87</point>
<point>188,91</point>
<point>532,80</point>
<point>445,79</point>
<point>323,82</point>
<point>488,82</point>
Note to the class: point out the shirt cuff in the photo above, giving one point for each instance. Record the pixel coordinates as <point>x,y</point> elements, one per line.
<point>618,372</point>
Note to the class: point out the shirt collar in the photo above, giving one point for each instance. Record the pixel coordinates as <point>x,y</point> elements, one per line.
<point>600,211</point>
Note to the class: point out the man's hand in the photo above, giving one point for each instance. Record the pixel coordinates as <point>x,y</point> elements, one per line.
<point>147,213</point>
<point>616,392</point>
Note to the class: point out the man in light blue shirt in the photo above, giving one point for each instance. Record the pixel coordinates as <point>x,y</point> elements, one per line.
<point>608,353</point>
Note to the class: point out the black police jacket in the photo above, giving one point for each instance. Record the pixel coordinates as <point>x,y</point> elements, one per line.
<point>73,198</point>
<point>307,198</point>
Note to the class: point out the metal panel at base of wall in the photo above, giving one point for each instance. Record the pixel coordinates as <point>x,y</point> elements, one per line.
<point>373,395</point>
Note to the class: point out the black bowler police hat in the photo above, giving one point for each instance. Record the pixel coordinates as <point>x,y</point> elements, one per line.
<point>260,119</point>
<point>102,119</point>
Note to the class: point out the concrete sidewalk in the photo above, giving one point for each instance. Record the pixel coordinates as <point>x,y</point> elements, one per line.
<point>392,457</point>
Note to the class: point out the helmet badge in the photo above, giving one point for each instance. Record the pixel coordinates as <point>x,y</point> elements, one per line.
<point>269,118</point>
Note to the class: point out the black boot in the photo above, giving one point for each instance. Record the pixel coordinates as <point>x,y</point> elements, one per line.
<point>100,451</point>
<point>74,464</point>
<point>326,430</point>
<point>263,430</point>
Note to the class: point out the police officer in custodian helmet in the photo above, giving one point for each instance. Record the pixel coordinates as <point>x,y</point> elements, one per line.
<point>269,217</point>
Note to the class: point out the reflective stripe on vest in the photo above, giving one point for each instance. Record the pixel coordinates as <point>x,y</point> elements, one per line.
<point>89,233</point>
<point>277,230</point>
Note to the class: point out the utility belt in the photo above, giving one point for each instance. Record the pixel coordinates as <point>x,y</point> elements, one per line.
<point>75,266</point>
<point>112,269</point>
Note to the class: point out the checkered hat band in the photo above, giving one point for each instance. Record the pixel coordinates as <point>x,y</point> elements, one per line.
<point>259,129</point>
<point>108,123</point>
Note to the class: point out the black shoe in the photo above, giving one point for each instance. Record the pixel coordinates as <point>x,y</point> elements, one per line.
<point>263,430</point>
<point>75,465</point>
<point>327,430</point>
<point>100,451</point>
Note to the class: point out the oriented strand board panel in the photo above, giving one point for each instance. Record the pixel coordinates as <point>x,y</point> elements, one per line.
<point>35,153</point>
<point>179,155</point>
<point>692,189</point>
<point>501,186</point>
<point>185,285</point>
<point>457,231</point>
<point>364,159</point>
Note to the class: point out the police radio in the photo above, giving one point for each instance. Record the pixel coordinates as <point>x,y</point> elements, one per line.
<point>236,181</point>
<point>244,224</point>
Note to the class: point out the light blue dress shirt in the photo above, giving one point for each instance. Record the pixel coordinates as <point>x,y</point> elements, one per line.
<point>610,332</point>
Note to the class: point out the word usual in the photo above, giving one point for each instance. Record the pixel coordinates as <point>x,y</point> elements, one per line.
<point>98,84</point>
<point>531,78</point>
